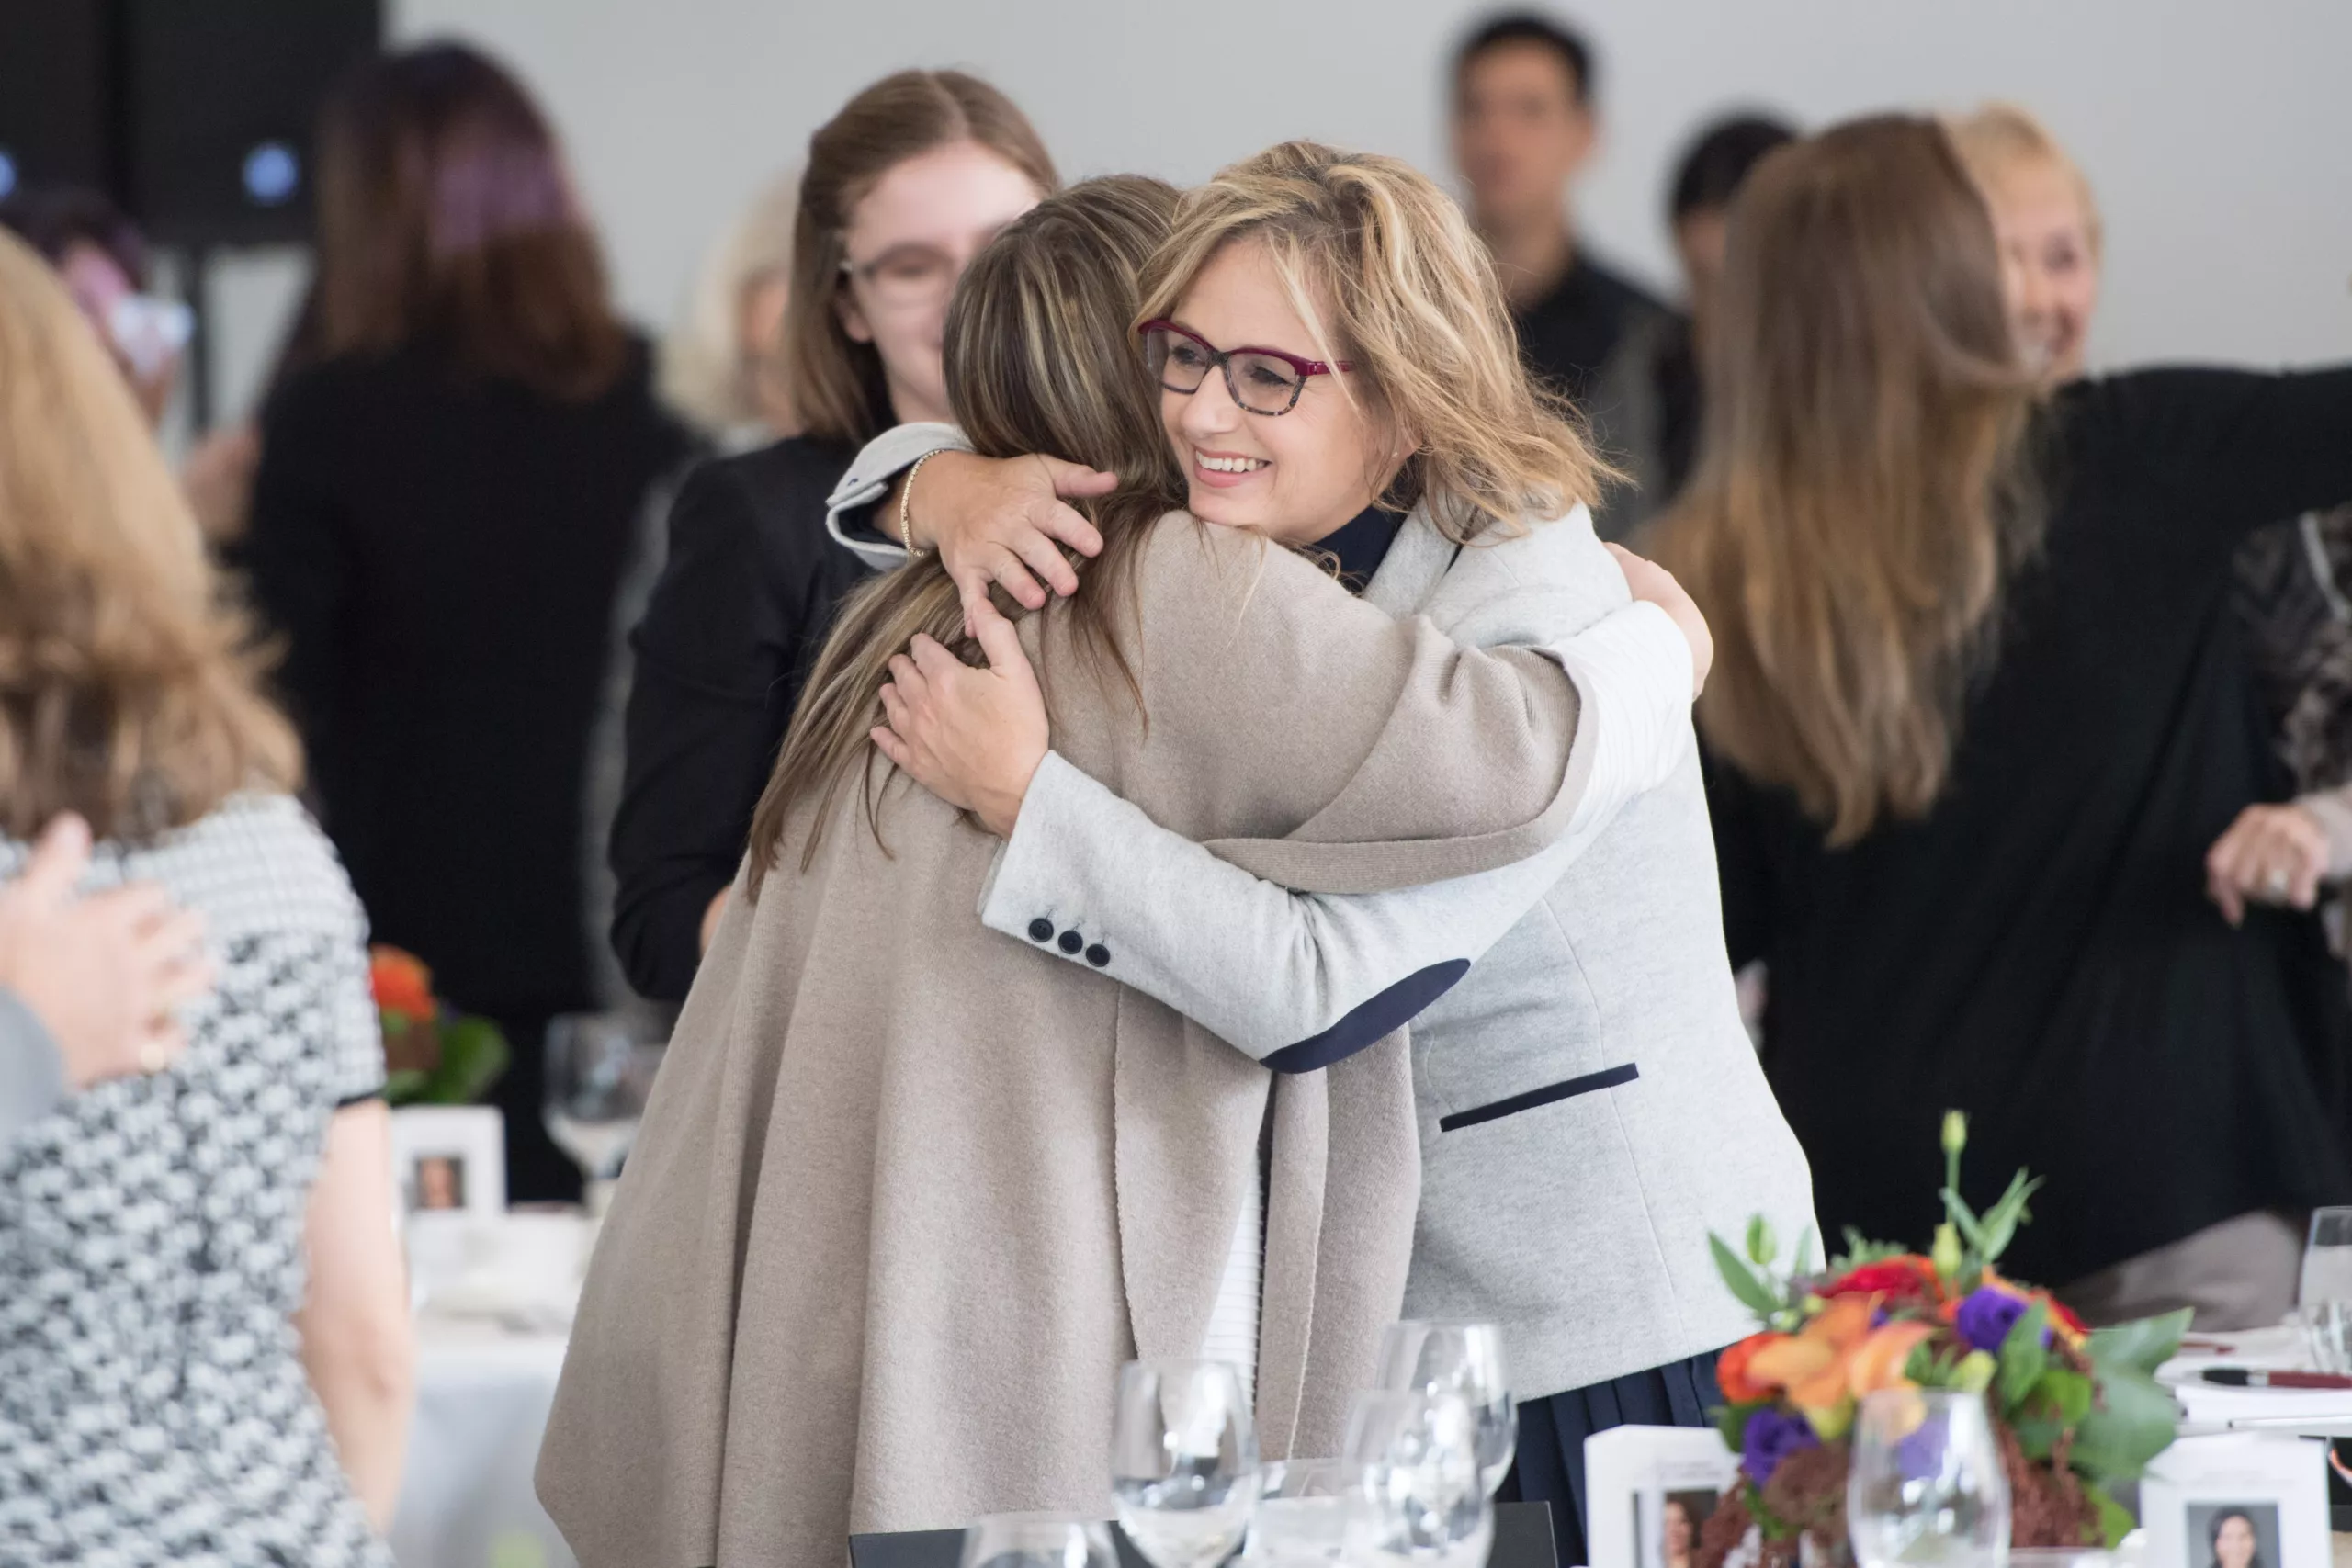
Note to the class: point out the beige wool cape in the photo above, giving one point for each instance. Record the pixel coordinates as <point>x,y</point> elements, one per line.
<point>909,1191</point>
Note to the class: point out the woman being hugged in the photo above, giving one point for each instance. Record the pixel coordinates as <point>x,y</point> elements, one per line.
<point>908,1192</point>
<point>1336,372</point>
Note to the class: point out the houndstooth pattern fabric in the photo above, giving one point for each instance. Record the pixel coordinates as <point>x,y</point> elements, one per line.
<point>153,1408</point>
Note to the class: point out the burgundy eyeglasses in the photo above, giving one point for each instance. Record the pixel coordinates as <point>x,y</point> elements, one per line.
<point>1262,380</point>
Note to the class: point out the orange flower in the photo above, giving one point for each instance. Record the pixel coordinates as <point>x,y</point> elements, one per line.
<point>401,984</point>
<point>1731,1370</point>
<point>1811,1364</point>
<point>1877,1363</point>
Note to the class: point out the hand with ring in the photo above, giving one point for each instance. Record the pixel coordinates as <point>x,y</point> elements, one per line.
<point>106,975</point>
<point>2271,854</point>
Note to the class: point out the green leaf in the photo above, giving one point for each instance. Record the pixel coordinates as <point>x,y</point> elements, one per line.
<point>2144,1343</point>
<point>1743,1285</point>
<point>2001,1222</point>
<point>2133,1420</point>
<point>474,1055</point>
<point>2024,1358</point>
<point>2068,1393</point>
<point>2115,1521</point>
<point>404,1088</point>
<point>2036,1435</point>
<point>1964,1219</point>
<point>1802,1260</point>
<point>1921,1367</point>
<point>1762,1245</point>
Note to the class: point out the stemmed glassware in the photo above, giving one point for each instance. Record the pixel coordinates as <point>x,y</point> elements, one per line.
<point>1038,1541</point>
<point>1926,1484</point>
<point>1465,1359</point>
<point>1422,1496</point>
<point>1185,1461</point>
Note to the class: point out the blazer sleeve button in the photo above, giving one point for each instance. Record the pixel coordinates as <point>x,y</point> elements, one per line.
<point>1071,942</point>
<point>1098,955</point>
<point>1041,929</point>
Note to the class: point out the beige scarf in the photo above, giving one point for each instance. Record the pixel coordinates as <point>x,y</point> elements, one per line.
<point>908,1192</point>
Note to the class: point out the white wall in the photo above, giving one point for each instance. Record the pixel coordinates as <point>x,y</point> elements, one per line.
<point>2218,135</point>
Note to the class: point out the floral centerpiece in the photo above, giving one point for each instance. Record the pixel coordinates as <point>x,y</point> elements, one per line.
<point>2074,1412</point>
<point>433,1055</point>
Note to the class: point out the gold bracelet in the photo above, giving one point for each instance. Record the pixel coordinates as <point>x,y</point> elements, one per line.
<point>906,499</point>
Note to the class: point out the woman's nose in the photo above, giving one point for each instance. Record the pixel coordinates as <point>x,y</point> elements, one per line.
<point>1211,409</point>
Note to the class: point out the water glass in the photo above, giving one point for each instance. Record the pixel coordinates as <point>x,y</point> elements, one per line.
<point>1464,1359</point>
<point>600,1073</point>
<point>1421,1494</point>
<point>1038,1541</point>
<point>1927,1484</point>
<point>2323,1298</point>
<point>1302,1515</point>
<point>1185,1461</point>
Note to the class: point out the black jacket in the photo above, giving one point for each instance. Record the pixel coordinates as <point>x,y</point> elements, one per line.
<point>2039,951</point>
<point>743,604</point>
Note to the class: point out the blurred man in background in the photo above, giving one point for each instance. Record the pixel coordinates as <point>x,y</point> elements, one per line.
<point>1524,128</point>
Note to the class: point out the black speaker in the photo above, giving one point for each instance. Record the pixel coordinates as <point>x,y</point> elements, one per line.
<point>197,116</point>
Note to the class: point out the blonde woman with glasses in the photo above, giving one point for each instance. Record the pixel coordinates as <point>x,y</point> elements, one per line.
<point>1336,373</point>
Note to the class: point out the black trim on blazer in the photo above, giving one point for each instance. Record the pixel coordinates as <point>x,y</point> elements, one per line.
<point>1375,1019</point>
<point>1608,1077</point>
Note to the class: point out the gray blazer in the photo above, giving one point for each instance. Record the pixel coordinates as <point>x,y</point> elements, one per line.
<point>1590,1107</point>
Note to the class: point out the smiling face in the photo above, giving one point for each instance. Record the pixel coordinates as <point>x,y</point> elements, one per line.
<point>2233,1547</point>
<point>907,241</point>
<point>2049,265</point>
<point>1295,477</point>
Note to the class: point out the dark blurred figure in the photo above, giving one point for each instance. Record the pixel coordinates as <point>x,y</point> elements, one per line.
<point>1707,178</point>
<point>101,258</point>
<point>1524,128</point>
<point>449,500</point>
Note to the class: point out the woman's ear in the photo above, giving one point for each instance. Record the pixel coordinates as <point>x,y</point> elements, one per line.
<point>853,320</point>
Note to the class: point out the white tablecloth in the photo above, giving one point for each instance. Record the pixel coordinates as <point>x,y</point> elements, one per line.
<point>482,1403</point>
<point>2213,1407</point>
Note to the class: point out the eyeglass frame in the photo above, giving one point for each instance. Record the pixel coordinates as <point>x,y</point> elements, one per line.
<point>1221,360</point>
<point>865,271</point>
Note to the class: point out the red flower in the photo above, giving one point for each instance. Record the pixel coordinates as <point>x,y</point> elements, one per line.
<point>1730,1369</point>
<point>401,984</point>
<point>1897,1281</point>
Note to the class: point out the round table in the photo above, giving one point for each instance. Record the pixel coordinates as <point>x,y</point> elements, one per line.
<point>483,1394</point>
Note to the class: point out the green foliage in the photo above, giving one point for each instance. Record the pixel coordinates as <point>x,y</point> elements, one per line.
<point>474,1055</point>
<point>2023,1358</point>
<point>2133,1418</point>
<point>2115,1521</point>
<point>1749,1290</point>
<point>1732,1422</point>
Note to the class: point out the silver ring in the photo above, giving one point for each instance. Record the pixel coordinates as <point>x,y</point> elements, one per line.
<point>2278,884</point>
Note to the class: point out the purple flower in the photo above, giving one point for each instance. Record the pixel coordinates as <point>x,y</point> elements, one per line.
<point>1987,1316</point>
<point>1772,1436</point>
<point>1921,1455</point>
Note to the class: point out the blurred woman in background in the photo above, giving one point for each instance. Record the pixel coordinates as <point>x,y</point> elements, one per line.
<point>903,187</point>
<point>1978,710</point>
<point>724,365</point>
<point>448,497</point>
<point>2292,577</point>
<point>204,1331</point>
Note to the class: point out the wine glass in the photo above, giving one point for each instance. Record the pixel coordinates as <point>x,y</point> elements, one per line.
<point>2323,1298</point>
<point>599,1075</point>
<point>1420,1492</point>
<point>1037,1541</point>
<point>1302,1514</point>
<point>1927,1483</point>
<point>1464,1358</point>
<point>1183,1462</point>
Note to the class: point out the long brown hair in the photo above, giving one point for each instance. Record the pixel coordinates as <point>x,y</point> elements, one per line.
<point>1862,492</point>
<point>446,218</point>
<point>1038,359</point>
<point>1385,270</point>
<point>127,692</point>
<point>836,382</point>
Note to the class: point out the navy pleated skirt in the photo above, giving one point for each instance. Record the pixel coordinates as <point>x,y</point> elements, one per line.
<point>1552,1431</point>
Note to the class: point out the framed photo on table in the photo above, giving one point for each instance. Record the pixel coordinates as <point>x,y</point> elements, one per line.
<point>2238,1500</point>
<point>1648,1490</point>
<point>449,1160</point>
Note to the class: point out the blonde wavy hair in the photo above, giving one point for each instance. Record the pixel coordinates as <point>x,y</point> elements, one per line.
<point>1385,270</point>
<point>1997,138</point>
<point>129,691</point>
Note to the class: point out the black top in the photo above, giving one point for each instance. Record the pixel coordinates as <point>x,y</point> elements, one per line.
<point>1569,333</point>
<point>1358,545</point>
<point>743,603</point>
<point>442,556</point>
<point>2039,951</point>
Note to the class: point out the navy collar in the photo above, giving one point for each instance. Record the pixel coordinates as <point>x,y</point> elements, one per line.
<point>1360,545</point>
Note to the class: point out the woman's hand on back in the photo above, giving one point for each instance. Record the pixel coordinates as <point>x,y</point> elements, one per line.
<point>973,738</point>
<point>2271,854</point>
<point>1652,584</point>
<point>1002,520</point>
